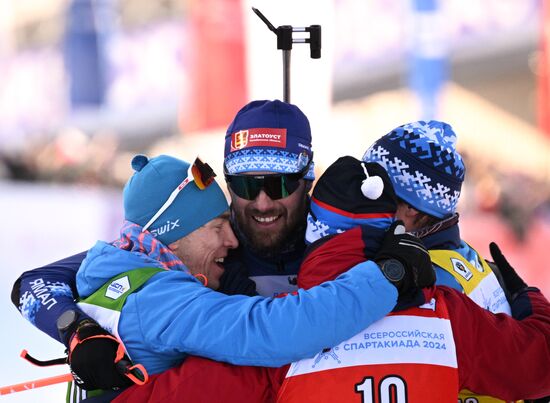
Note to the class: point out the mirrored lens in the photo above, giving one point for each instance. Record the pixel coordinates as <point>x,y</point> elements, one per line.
<point>275,186</point>
<point>203,175</point>
<point>245,187</point>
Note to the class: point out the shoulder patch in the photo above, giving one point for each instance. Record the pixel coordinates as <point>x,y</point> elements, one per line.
<point>461,269</point>
<point>117,288</point>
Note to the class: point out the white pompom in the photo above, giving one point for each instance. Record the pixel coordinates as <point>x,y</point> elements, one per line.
<point>372,187</point>
<point>399,229</point>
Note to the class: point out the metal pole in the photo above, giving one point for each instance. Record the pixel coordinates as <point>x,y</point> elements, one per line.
<point>286,76</point>
<point>285,41</point>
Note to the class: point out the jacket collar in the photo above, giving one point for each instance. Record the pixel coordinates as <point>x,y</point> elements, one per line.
<point>443,235</point>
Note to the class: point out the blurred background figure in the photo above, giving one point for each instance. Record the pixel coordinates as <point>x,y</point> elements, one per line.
<point>87,84</point>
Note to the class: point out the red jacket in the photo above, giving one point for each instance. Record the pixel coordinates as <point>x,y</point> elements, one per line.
<point>497,355</point>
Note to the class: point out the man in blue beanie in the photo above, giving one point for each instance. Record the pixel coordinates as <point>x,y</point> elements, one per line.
<point>193,206</point>
<point>269,171</point>
<point>427,173</point>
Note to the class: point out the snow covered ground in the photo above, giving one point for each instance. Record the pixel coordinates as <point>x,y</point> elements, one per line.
<point>40,224</point>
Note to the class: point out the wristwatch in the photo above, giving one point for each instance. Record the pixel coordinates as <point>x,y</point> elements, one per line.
<point>66,320</point>
<point>392,269</point>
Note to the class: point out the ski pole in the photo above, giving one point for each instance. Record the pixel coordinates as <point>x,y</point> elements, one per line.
<point>135,372</point>
<point>37,383</point>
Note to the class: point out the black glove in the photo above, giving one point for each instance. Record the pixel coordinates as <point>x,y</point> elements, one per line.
<point>513,286</point>
<point>513,283</point>
<point>98,361</point>
<point>412,254</point>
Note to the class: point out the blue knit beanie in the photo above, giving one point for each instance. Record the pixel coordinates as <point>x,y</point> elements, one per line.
<point>151,185</point>
<point>426,170</point>
<point>270,136</point>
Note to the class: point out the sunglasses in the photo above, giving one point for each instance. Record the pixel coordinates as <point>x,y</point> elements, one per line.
<point>200,173</point>
<point>276,186</point>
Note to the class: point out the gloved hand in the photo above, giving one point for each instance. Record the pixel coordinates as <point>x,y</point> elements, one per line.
<point>98,361</point>
<point>412,254</point>
<point>513,283</point>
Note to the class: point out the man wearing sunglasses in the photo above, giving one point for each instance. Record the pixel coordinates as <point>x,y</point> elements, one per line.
<point>269,170</point>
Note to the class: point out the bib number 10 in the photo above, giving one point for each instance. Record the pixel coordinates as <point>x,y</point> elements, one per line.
<point>391,389</point>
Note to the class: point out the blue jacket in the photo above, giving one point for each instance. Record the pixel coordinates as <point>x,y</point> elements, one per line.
<point>173,315</point>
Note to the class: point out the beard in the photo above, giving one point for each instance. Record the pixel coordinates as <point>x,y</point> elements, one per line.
<point>269,243</point>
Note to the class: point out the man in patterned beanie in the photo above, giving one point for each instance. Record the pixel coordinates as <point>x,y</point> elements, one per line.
<point>426,170</point>
<point>427,173</point>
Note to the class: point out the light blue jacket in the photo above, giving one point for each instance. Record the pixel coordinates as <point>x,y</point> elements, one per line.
<point>173,315</point>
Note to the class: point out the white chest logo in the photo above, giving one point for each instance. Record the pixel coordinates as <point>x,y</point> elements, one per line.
<point>117,288</point>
